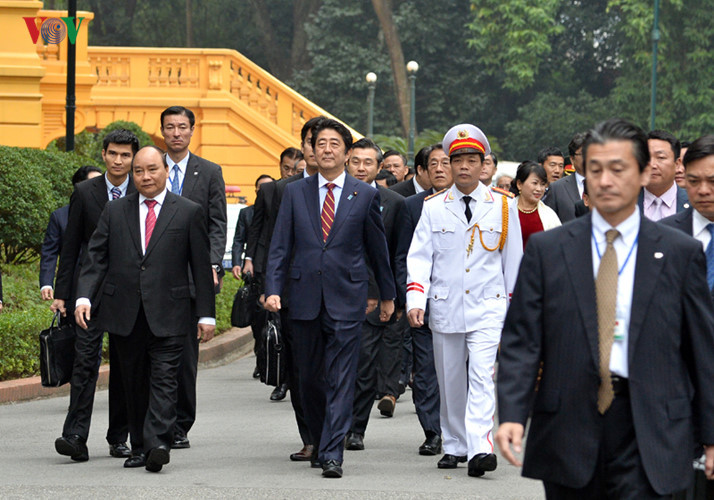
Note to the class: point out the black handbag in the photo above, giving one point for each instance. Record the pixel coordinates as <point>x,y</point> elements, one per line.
<point>57,352</point>
<point>244,302</point>
<point>272,351</point>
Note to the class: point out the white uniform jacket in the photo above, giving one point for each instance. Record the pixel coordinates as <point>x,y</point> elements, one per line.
<point>468,290</point>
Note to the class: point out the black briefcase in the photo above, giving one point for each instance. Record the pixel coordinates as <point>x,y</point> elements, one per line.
<point>244,302</point>
<point>272,350</point>
<point>57,352</point>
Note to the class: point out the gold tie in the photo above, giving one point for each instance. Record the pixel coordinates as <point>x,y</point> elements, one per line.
<point>606,292</point>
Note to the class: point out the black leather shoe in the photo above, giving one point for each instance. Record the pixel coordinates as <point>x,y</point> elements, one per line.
<point>354,441</point>
<point>119,450</point>
<point>315,462</point>
<point>74,447</point>
<point>431,446</point>
<point>180,442</point>
<point>158,457</point>
<point>138,460</point>
<point>279,392</point>
<point>386,405</point>
<point>303,455</point>
<point>256,372</point>
<point>450,461</point>
<point>482,463</point>
<point>332,468</point>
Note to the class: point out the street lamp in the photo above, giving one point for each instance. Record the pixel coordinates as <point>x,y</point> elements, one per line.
<point>371,85</point>
<point>412,68</point>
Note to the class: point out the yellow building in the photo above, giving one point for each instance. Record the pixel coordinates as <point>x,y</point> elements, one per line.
<point>244,116</point>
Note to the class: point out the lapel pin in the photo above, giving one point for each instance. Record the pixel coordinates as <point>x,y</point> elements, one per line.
<point>352,195</point>
<point>658,255</point>
<point>686,205</point>
<point>381,209</point>
<point>195,172</point>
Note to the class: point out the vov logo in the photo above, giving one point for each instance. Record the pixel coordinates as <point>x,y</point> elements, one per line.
<point>53,29</point>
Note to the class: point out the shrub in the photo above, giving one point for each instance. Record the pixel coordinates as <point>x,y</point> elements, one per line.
<point>34,183</point>
<point>89,144</point>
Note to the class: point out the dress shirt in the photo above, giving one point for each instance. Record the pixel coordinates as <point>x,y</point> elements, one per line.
<point>579,181</point>
<point>305,174</point>
<point>668,200</point>
<point>417,186</point>
<point>182,165</point>
<point>699,229</point>
<point>627,241</point>
<point>122,187</point>
<point>143,211</point>
<point>339,182</point>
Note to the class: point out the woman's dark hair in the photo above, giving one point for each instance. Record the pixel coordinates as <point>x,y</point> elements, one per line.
<point>83,172</point>
<point>525,169</point>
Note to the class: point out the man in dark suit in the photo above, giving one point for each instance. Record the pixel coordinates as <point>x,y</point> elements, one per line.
<point>417,184</point>
<point>52,244</point>
<point>331,221</point>
<point>662,197</point>
<point>138,260</point>
<point>380,345</point>
<point>565,193</point>
<point>624,332</point>
<point>85,207</point>
<point>260,234</point>
<point>425,386</point>
<point>200,181</point>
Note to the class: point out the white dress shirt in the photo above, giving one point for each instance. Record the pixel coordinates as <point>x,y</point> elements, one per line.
<point>699,229</point>
<point>417,186</point>
<point>579,181</point>
<point>122,187</point>
<point>182,165</point>
<point>339,183</point>
<point>626,248</point>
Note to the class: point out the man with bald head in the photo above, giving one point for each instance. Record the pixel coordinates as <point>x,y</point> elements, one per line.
<point>138,262</point>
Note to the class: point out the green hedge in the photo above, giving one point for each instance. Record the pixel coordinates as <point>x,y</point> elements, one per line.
<point>89,144</point>
<point>25,315</point>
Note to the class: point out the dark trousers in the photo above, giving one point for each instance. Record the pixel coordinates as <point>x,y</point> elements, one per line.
<point>425,390</point>
<point>188,370</point>
<point>389,366</point>
<point>619,474</point>
<point>88,352</point>
<point>327,351</point>
<point>149,372</point>
<point>293,377</point>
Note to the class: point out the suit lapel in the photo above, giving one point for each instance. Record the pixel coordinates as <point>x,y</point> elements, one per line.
<point>311,193</point>
<point>99,192</point>
<point>349,192</point>
<point>647,269</point>
<point>168,210</point>
<point>131,211</point>
<point>192,173</point>
<point>454,205</point>
<point>573,192</point>
<point>577,253</point>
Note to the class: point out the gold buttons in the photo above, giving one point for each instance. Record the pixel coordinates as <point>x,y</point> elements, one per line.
<point>468,270</point>
<point>467,292</point>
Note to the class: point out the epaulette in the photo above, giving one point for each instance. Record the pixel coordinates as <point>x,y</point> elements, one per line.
<point>435,194</point>
<point>502,191</point>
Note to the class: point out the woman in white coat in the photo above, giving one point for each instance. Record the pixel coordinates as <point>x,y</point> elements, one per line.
<point>529,186</point>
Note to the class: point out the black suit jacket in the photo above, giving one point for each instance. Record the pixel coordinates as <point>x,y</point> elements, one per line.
<point>682,200</point>
<point>562,197</point>
<point>260,232</point>
<point>553,319</point>
<point>203,183</point>
<point>333,272</point>
<point>158,280</point>
<point>85,207</point>
<point>408,220</point>
<point>244,219</point>
<point>52,245</point>
<point>405,188</point>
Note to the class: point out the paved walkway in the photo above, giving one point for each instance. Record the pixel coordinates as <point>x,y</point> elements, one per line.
<point>240,448</point>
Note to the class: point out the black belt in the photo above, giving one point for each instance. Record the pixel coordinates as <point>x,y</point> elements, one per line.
<point>620,386</point>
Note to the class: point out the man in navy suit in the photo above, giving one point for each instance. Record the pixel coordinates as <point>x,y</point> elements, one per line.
<point>52,244</point>
<point>662,197</point>
<point>329,221</point>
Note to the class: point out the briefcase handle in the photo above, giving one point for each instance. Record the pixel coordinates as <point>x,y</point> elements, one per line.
<point>56,318</point>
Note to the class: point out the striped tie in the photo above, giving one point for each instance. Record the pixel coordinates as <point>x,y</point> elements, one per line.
<point>328,211</point>
<point>150,222</point>
<point>116,193</point>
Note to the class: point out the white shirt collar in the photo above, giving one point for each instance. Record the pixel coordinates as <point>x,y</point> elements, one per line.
<point>122,187</point>
<point>669,197</point>
<point>475,194</point>
<point>579,178</point>
<point>699,223</point>
<point>339,181</point>
<point>182,163</point>
<point>629,228</point>
<point>417,186</point>
<point>159,198</point>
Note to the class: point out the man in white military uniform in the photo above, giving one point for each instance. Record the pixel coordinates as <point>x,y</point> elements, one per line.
<point>464,259</point>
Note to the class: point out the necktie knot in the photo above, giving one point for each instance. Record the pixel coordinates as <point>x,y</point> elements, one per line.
<point>150,203</point>
<point>610,235</point>
<point>330,186</point>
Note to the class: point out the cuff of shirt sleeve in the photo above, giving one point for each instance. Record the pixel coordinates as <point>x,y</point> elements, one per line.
<point>205,320</point>
<point>82,301</point>
<point>43,288</point>
<point>248,258</point>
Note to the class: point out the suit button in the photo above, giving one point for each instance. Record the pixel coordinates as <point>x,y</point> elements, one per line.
<point>467,292</point>
<point>324,249</point>
<point>319,272</point>
<point>436,296</point>
<point>498,295</point>
<point>143,268</point>
<point>468,270</point>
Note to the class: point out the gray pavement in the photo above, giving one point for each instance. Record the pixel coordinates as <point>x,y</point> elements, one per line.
<point>240,447</point>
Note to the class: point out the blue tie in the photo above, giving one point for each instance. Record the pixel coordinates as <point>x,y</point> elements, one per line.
<point>175,188</point>
<point>116,193</point>
<point>710,257</point>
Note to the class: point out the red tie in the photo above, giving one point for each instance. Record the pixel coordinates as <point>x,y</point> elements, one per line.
<point>150,221</point>
<point>328,211</point>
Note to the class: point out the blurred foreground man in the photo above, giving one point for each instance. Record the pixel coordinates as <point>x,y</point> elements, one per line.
<point>624,332</point>
<point>138,261</point>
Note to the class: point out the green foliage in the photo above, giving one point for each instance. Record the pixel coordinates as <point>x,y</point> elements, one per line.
<point>83,144</point>
<point>224,302</point>
<point>34,183</point>
<point>89,144</point>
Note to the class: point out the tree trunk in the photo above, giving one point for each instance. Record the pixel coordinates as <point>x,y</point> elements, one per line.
<point>302,10</point>
<point>278,64</point>
<point>189,25</point>
<point>383,9</point>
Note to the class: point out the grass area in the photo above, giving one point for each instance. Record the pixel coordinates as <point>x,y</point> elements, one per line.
<point>24,315</point>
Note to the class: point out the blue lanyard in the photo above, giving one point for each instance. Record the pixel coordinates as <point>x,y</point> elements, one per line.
<point>629,254</point>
